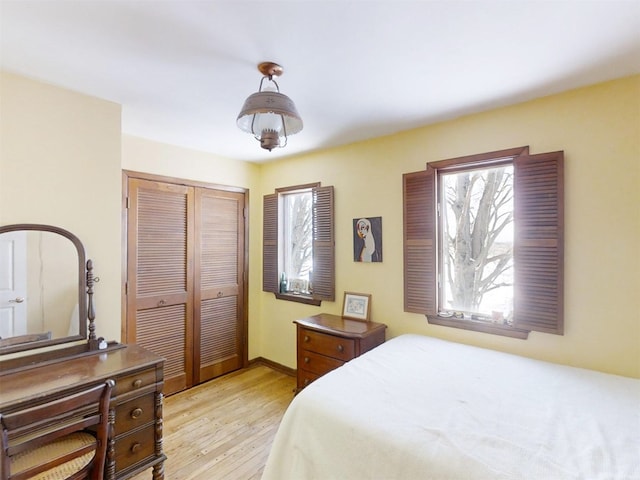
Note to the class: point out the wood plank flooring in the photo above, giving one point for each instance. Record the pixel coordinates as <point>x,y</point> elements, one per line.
<point>223,429</point>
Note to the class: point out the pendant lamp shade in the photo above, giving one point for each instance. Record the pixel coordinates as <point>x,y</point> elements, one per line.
<point>269,115</point>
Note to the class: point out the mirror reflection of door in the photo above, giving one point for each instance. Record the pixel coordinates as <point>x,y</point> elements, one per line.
<point>38,286</point>
<point>13,284</point>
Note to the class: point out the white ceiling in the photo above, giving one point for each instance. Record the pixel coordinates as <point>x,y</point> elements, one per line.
<point>356,69</point>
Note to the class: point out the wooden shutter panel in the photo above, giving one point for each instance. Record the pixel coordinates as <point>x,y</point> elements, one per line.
<point>539,242</point>
<point>270,279</point>
<point>418,190</point>
<point>323,244</point>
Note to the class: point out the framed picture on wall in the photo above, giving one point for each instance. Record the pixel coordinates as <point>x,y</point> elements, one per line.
<point>356,306</point>
<point>367,239</point>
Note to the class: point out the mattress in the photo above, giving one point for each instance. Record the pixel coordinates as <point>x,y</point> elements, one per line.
<point>417,407</point>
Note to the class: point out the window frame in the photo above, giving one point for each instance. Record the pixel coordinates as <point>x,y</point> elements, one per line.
<point>462,167</point>
<point>323,244</point>
<point>538,239</point>
<point>284,222</point>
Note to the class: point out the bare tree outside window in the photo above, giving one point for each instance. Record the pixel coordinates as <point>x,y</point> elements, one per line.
<point>299,232</point>
<point>477,241</point>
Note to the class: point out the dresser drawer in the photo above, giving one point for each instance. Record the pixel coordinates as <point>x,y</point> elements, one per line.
<point>134,413</point>
<point>316,363</point>
<point>305,378</point>
<point>325,342</point>
<point>135,381</point>
<point>332,346</point>
<point>134,447</point>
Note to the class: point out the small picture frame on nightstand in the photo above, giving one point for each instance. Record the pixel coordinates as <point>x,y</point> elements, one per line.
<point>356,306</point>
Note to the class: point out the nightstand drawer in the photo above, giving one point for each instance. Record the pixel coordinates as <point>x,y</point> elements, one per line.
<point>329,345</point>
<point>305,378</point>
<point>316,363</point>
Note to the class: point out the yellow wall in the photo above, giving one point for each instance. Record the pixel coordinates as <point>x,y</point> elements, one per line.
<point>599,130</point>
<point>61,155</point>
<point>60,165</point>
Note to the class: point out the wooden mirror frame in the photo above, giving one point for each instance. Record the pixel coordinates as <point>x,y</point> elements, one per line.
<point>85,292</point>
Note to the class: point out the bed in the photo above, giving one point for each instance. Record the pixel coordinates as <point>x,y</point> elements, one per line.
<point>417,407</point>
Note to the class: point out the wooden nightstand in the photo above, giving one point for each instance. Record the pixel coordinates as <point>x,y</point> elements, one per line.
<point>326,342</point>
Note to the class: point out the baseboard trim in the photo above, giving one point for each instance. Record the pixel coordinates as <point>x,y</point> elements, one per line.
<point>274,365</point>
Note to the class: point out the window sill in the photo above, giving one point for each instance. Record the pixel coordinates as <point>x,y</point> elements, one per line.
<point>479,326</point>
<point>306,299</point>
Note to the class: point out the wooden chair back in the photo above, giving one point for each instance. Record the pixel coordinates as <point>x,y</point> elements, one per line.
<point>43,425</point>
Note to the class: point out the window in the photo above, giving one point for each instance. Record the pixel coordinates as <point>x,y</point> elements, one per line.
<point>483,242</point>
<point>475,242</point>
<point>297,240</point>
<point>298,244</point>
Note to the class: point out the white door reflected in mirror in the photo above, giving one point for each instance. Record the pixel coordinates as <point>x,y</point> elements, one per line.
<point>13,284</point>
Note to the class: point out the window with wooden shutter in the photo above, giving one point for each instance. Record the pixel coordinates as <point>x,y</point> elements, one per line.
<point>536,252</point>
<point>308,210</point>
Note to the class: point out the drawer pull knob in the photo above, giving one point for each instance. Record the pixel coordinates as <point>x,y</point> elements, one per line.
<point>340,348</point>
<point>306,338</point>
<point>135,447</point>
<point>136,412</point>
<point>137,383</point>
<point>307,359</point>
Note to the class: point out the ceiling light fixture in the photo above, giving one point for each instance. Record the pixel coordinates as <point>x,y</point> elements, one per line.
<point>268,114</point>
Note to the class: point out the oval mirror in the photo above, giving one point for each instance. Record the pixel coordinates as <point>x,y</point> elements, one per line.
<point>43,287</point>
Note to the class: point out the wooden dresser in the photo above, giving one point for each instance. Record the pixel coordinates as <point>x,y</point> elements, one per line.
<point>325,342</point>
<point>136,398</point>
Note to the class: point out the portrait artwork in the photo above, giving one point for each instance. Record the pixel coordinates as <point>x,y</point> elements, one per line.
<point>367,239</point>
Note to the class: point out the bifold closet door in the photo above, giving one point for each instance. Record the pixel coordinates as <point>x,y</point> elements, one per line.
<point>219,283</point>
<point>185,290</point>
<point>160,275</point>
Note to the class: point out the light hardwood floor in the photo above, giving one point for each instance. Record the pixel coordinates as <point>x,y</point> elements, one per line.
<point>223,429</point>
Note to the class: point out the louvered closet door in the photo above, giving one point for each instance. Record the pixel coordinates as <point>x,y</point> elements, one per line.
<point>219,292</point>
<point>160,276</point>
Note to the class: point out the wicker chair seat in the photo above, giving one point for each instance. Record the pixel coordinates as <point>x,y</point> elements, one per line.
<point>57,449</point>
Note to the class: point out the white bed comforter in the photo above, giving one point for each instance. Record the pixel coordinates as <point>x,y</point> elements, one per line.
<point>422,408</point>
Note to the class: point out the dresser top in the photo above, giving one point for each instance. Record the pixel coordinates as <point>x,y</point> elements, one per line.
<point>22,386</point>
<point>327,323</point>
